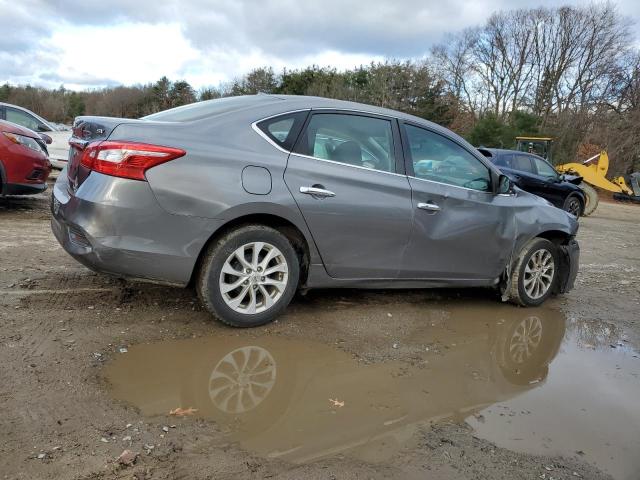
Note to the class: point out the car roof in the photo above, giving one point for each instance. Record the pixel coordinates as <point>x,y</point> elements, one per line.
<point>284,103</point>
<point>268,105</point>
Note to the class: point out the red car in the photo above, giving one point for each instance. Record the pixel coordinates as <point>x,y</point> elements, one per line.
<point>24,160</point>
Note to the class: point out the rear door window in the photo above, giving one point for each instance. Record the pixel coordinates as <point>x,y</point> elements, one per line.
<point>503,160</point>
<point>522,163</point>
<point>350,139</point>
<point>283,130</point>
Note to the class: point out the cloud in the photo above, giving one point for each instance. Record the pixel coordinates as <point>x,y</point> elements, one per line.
<point>96,43</point>
<point>125,53</point>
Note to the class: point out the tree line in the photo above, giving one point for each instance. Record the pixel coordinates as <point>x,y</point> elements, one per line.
<point>569,72</point>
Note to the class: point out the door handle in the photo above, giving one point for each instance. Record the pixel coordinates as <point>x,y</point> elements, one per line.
<point>429,206</point>
<point>317,191</point>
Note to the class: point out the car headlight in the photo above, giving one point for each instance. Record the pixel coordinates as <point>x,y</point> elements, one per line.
<point>24,141</point>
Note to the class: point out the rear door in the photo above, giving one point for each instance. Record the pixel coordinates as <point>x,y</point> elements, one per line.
<point>461,231</point>
<point>529,180</point>
<point>344,176</point>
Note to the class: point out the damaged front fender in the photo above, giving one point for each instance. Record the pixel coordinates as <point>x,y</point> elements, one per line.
<point>569,260</point>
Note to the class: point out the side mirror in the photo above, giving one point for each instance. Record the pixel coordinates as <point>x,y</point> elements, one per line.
<point>47,139</point>
<point>505,185</point>
<point>43,128</point>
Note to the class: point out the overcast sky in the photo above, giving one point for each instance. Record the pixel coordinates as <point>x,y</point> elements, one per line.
<point>111,42</point>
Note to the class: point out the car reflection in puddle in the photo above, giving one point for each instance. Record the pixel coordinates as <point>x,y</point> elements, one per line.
<point>301,400</point>
<point>588,406</point>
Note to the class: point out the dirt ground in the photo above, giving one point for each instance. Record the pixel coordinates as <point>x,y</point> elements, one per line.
<point>66,330</point>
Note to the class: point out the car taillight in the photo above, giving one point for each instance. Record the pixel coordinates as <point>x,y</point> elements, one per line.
<point>126,159</point>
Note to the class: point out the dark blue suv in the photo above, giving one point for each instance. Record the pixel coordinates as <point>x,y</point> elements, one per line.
<point>535,175</point>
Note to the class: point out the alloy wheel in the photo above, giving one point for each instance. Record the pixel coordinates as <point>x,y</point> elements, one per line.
<point>538,273</point>
<point>253,278</point>
<point>574,207</point>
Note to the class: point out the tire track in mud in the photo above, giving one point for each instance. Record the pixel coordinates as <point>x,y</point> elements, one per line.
<point>67,291</point>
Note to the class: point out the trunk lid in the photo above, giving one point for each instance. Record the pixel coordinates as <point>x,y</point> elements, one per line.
<point>88,130</point>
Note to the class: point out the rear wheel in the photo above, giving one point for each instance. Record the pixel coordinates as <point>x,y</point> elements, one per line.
<point>249,276</point>
<point>573,205</point>
<point>534,274</point>
<point>591,199</point>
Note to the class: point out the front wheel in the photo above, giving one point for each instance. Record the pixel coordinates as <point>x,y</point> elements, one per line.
<point>573,205</point>
<point>248,277</point>
<point>535,273</point>
<point>591,197</point>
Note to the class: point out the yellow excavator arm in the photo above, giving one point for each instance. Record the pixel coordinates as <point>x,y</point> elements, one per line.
<point>595,173</point>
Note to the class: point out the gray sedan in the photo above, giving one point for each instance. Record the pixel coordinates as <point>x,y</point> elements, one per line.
<point>251,198</point>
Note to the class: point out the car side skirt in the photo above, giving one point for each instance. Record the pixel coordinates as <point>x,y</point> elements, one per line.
<point>318,278</point>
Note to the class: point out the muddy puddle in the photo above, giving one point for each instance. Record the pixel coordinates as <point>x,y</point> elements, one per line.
<point>527,379</point>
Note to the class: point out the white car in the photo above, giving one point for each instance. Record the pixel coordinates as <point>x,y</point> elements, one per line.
<point>58,149</point>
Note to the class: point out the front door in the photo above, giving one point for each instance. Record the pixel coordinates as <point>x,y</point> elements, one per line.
<point>344,177</point>
<point>553,189</point>
<point>461,231</point>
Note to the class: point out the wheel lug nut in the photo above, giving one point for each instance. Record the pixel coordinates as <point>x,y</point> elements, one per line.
<point>255,286</point>
<point>248,270</point>
<point>246,282</point>
<point>262,279</point>
<point>259,269</point>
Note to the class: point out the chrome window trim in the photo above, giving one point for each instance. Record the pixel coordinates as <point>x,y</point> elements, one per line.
<point>353,110</point>
<point>450,185</point>
<point>255,127</point>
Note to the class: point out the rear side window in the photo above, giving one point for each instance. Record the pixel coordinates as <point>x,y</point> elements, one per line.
<point>503,160</point>
<point>350,139</point>
<point>283,130</point>
<point>522,163</point>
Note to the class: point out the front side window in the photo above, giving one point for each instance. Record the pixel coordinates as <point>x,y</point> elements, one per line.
<point>283,129</point>
<point>350,139</point>
<point>23,119</point>
<point>439,159</point>
<point>544,169</point>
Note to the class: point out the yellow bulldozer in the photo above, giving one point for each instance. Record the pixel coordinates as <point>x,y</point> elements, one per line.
<point>593,172</point>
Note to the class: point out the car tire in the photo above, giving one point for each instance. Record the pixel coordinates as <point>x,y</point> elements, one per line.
<point>531,283</point>
<point>591,197</point>
<point>573,204</point>
<point>254,288</point>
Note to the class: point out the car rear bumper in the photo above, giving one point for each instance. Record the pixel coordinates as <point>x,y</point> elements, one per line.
<point>115,226</point>
<point>569,263</point>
